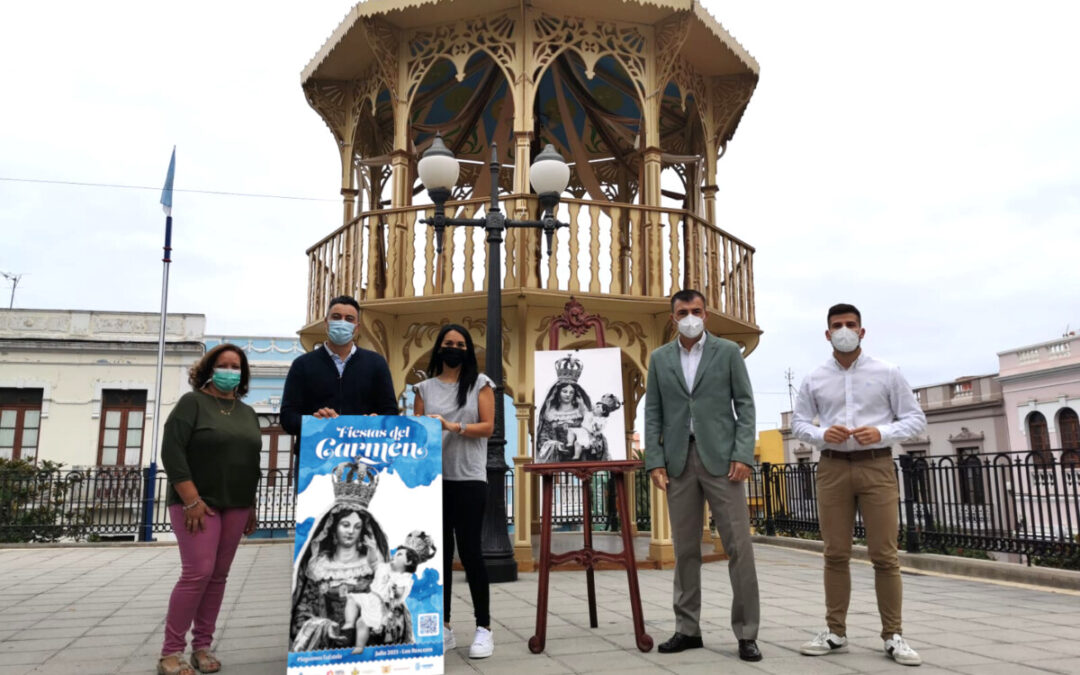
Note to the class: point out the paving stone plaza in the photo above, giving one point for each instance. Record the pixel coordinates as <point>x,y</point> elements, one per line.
<point>86,610</point>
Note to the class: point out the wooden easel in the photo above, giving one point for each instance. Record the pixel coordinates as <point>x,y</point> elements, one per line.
<point>577,321</point>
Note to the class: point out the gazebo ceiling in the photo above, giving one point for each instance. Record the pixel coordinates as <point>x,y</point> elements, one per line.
<point>346,53</point>
<point>591,111</point>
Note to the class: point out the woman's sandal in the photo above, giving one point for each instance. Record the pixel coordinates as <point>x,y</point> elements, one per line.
<point>205,661</point>
<point>182,667</point>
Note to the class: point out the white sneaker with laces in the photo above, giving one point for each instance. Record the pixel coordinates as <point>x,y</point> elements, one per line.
<point>448,640</point>
<point>825,642</point>
<point>483,644</point>
<point>901,651</point>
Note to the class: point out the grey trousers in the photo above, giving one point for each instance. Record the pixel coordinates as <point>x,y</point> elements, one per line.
<point>686,496</point>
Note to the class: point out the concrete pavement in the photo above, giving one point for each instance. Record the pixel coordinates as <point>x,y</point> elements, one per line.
<point>87,610</point>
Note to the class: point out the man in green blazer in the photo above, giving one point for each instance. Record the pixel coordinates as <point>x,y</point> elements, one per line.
<point>699,444</point>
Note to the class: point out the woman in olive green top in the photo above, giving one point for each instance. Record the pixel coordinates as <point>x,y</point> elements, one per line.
<point>210,450</point>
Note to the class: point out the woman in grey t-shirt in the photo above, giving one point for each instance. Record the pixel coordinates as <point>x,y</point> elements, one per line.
<point>463,400</point>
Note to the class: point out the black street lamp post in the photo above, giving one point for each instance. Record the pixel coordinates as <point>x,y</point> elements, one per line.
<point>438,171</point>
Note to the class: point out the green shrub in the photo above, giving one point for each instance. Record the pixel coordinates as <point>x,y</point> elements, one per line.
<point>33,503</point>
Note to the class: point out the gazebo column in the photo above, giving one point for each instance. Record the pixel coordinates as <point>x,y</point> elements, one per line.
<point>661,549</point>
<point>631,485</point>
<point>654,248</point>
<point>348,184</point>
<point>525,240</point>
<point>709,189</point>
<point>523,516</point>
<point>400,228</point>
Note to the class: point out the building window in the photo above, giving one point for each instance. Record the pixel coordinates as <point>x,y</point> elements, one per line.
<point>1069,429</point>
<point>123,416</point>
<point>20,423</point>
<point>920,480</point>
<point>806,478</point>
<point>1038,434</point>
<point>972,490</point>
<point>1042,460</point>
<point>961,389</point>
<point>1070,469</point>
<point>276,458</point>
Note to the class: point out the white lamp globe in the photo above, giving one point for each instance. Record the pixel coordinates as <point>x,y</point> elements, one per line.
<point>438,168</point>
<point>549,172</point>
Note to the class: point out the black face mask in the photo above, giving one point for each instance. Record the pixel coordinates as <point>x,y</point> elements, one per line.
<point>452,356</point>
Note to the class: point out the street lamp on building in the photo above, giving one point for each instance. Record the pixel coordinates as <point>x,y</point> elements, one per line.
<point>549,175</point>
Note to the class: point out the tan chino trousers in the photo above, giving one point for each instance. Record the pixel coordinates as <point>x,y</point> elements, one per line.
<point>871,485</point>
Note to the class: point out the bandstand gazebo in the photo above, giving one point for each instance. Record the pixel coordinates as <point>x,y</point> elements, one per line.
<point>640,96</point>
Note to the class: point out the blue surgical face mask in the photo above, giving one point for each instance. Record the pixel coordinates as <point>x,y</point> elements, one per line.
<point>226,379</point>
<point>340,332</point>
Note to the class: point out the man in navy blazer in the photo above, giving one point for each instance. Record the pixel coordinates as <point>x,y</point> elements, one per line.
<point>337,377</point>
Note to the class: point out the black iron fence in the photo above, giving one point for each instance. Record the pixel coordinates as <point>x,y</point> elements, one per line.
<point>103,503</point>
<point>1026,503</point>
<point>568,507</point>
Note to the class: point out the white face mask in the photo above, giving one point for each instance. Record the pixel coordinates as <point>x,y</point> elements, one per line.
<point>691,326</point>
<point>844,340</point>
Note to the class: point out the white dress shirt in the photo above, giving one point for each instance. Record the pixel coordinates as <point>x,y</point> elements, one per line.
<point>871,393</point>
<point>690,359</point>
<point>338,361</point>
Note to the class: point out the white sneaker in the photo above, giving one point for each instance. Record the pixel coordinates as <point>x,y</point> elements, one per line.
<point>483,644</point>
<point>824,642</point>
<point>901,651</point>
<point>448,640</point>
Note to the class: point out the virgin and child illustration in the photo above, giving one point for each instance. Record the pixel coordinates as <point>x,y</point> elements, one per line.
<point>348,590</point>
<point>571,428</point>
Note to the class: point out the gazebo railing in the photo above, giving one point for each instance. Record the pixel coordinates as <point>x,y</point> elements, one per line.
<point>608,248</point>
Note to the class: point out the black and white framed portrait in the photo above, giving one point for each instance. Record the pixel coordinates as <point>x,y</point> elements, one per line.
<point>579,415</point>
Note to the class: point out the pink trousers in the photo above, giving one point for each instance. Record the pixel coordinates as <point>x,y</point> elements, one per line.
<point>205,559</point>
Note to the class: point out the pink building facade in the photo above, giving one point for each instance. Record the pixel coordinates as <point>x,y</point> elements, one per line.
<point>1040,385</point>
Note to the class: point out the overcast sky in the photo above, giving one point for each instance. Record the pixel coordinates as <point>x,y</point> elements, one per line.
<point>918,159</point>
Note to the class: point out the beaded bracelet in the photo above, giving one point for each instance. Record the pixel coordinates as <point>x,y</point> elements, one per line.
<point>192,505</point>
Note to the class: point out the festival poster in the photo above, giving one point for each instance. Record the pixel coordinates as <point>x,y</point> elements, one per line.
<point>367,589</point>
<point>579,403</point>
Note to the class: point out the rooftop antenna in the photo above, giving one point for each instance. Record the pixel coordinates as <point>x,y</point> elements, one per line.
<point>789,375</point>
<point>14,279</point>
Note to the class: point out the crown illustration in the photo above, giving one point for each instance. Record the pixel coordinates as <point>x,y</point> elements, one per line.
<point>568,369</point>
<point>421,544</point>
<point>354,484</point>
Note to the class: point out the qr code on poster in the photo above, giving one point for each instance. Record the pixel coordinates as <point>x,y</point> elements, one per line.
<point>427,625</point>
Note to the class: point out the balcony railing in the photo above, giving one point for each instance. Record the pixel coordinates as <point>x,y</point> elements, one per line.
<point>609,248</point>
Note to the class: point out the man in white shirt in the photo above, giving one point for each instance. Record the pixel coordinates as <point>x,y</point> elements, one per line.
<point>855,407</point>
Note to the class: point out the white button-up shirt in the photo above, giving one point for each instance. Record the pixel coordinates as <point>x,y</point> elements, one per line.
<point>690,359</point>
<point>338,361</point>
<point>871,393</point>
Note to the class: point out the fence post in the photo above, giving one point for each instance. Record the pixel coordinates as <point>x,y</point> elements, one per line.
<point>907,471</point>
<point>149,483</point>
<point>766,494</point>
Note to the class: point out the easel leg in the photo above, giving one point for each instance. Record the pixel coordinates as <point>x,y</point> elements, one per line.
<point>644,641</point>
<point>590,581</point>
<point>539,639</point>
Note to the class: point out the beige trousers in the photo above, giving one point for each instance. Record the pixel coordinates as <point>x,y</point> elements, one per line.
<point>871,485</point>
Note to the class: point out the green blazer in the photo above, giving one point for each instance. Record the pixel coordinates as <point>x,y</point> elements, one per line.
<point>721,403</point>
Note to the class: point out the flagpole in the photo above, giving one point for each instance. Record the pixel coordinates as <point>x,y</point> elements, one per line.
<point>151,471</point>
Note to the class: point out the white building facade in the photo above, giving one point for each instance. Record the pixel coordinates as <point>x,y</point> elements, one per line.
<point>77,387</point>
